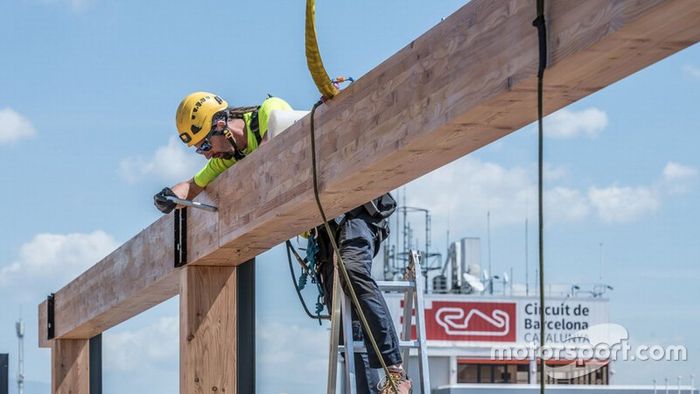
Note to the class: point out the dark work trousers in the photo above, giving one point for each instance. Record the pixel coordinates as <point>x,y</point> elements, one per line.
<point>358,241</point>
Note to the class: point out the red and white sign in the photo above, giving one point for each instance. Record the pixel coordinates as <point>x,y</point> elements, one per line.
<point>469,321</point>
<point>460,318</point>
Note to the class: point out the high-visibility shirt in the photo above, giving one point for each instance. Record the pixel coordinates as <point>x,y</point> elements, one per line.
<point>216,166</point>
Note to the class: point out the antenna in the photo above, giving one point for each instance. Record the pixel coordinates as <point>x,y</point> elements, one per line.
<point>395,267</point>
<point>19,326</point>
<point>488,237</point>
<point>448,226</point>
<point>527,270</point>
<point>511,281</point>
<point>601,261</point>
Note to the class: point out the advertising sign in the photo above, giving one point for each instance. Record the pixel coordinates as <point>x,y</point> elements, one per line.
<point>467,318</point>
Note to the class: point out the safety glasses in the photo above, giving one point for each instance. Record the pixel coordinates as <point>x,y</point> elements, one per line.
<point>205,145</point>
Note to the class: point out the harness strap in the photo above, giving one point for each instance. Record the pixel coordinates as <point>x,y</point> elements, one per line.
<point>255,126</point>
<point>237,153</point>
<point>237,113</point>
<point>254,123</point>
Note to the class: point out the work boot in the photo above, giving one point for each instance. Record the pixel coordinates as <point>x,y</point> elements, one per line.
<point>402,382</point>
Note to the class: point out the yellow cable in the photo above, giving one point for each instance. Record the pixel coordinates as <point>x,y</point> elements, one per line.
<point>313,56</point>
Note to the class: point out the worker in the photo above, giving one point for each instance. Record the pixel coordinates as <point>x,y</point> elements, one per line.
<point>227,135</point>
<point>358,234</point>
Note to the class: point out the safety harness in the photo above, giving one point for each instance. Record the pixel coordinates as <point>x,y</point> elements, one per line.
<point>317,253</point>
<point>253,124</point>
<point>310,268</point>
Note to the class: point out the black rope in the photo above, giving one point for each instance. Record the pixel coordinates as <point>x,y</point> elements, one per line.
<point>541,25</point>
<point>341,264</point>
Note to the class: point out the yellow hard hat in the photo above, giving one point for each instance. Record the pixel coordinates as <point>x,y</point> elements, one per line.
<point>195,114</point>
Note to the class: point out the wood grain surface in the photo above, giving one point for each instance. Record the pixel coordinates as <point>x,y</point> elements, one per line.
<point>207,330</point>
<point>70,366</point>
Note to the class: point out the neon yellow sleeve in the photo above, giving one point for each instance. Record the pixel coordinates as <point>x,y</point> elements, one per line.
<point>211,170</point>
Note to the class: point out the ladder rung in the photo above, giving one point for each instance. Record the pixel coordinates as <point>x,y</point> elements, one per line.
<point>409,344</point>
<point>399,285</point>
<point>359,347</point>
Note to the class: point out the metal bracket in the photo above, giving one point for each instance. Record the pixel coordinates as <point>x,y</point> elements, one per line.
<point>50,316</point>
<point>180,237</point>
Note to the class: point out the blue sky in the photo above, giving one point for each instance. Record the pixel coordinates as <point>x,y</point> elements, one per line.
<point>88,91</point>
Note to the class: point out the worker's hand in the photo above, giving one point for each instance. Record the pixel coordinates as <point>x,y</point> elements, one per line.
<point>164,205</point>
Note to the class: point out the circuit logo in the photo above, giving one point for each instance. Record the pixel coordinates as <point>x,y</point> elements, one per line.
<point>471,321</point>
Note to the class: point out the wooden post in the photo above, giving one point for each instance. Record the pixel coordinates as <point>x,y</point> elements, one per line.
<point>70,359</point>
<point>208,330</point>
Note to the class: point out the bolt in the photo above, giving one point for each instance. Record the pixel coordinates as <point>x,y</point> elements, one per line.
<point>214,388</point>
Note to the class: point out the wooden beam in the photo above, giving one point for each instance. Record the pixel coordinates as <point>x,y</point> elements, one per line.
<point>208,329</point>
<point>132,279</point>
<point>70,366</point>
<point>465,83</point>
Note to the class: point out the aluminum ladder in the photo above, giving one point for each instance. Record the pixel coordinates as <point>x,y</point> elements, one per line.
<point>414,307</point>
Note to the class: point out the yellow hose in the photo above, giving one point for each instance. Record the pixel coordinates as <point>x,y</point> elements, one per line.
<point>313,56</point>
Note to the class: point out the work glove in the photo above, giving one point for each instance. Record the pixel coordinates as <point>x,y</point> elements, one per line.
<point>164,205</point>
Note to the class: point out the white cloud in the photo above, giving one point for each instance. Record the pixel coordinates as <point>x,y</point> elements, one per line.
<point>691,70</point>
<point>169,163</point>
<point>464,191</point>
<point>566,123</point>
<point>294,352</point>
<point>14,127</point>
<point>678,178</point>
<point>678,172</point>
<point>566,205</point>
<point>553,173</point>
<point>49,261</point>
<point>616,204</point>
<point>136,350</point>
<point>467,189</point>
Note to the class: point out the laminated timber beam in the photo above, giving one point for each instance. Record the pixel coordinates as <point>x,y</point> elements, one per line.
<point>467,82</point>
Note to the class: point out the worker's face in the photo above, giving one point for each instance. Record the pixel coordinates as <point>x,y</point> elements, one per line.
<point>220,147</point>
